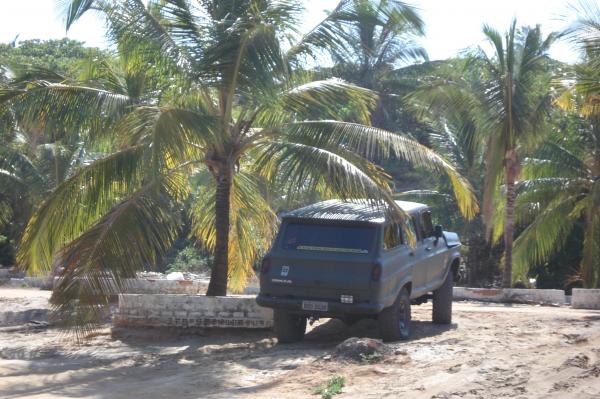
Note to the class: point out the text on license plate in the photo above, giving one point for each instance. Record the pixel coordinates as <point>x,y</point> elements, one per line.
<point>314,305</point>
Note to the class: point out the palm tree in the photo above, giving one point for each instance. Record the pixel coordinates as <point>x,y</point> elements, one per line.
<point>507,97</point>
<point>376,37</point>
<point>452,131</point>
<point>225,100</point>
<point>559,190</point>
<point>32,163</point>
<point>562,182</point>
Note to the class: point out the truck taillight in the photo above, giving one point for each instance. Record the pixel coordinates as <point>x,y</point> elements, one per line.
<point>376,272</point>
<point>265,266</point>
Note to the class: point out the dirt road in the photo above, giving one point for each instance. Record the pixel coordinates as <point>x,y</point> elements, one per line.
<point>492,351</point>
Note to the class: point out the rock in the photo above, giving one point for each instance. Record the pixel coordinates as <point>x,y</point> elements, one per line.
<point>362,349</point>
<point>175,276</point>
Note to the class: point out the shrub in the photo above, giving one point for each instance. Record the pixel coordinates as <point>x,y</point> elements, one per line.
<point>191,260</point>
<point>334,387</point>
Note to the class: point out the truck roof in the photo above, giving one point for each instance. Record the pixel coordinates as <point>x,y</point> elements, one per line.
<point>358,210</point>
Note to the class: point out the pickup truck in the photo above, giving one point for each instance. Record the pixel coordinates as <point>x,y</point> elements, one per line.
<point>347,260</point>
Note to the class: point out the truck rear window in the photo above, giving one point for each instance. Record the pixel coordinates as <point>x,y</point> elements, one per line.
<point>316,237</point>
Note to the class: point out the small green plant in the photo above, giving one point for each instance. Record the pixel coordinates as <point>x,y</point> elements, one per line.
<point>334,387</point>
<point>371,357</point>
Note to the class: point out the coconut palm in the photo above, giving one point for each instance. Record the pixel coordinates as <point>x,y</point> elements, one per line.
<point>560,189</point>
<point>507,97</point>
<point>226,101</point>
<point>562,182</point>
<point>32,164</point>
<point>376,37</point>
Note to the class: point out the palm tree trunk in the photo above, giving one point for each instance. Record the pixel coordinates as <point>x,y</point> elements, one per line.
<point>509,226</point>
<point>218,277</point>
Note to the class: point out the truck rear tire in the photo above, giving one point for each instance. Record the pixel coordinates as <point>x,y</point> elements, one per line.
<point>289,327</point>
<point>394,321</point>
<point>442,301</point>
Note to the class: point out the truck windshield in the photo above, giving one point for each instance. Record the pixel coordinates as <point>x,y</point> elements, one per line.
<point>317,237</point>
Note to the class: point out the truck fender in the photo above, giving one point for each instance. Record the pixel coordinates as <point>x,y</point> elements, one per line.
<point>405,281</point>
<point>453,264</point>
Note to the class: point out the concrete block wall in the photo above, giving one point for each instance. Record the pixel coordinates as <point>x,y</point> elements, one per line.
<point>585,298</point>
<point>9,318</point>
<point>511,295</point>
<point>35,282</point>
<point>191,311</point>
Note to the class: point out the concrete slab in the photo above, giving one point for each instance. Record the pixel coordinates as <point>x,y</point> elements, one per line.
<point>585,298</point>
<point>511,295</point>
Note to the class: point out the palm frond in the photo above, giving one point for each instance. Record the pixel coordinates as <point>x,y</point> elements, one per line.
<point>327,99</point>
<point>74,9</point>
<point>170,135</point>
<point>327,34</point>
<point>135,233</point>
<point>77,204</point>
<point>64,108</point>
<point>375,143</point>
<point>133,24</point>
<point>544,236</point>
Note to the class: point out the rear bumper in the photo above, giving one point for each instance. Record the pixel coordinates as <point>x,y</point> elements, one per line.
<point>334,308</point>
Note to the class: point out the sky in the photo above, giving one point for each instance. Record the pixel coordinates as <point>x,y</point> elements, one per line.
<point>451,25</point>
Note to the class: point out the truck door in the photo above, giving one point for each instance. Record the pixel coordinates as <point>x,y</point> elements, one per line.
<point>397,252</point>
<point>417,253</point>
<point>434,250</point>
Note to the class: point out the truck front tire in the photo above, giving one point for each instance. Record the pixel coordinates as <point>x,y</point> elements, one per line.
<point>289,327</point>
<point>442,301</point>
<point>394,321</point>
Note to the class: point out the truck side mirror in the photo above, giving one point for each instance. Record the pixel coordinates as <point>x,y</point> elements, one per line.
<point>438,232</point>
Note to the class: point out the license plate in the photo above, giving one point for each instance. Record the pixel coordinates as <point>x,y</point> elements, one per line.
<point>314,305</point>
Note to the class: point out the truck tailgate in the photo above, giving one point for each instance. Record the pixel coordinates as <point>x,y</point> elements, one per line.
<point>320,272</point>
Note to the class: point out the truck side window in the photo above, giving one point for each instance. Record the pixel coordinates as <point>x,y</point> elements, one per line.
<point>427,224</point>
<point>392,236</point>
<point>416,228</point>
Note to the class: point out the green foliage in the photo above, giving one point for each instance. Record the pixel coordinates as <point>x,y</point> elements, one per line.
<point>7,254</point>
<point>190,260</point>
<point>371,357</point>
<point>60,55</point>
<point>333,387</point>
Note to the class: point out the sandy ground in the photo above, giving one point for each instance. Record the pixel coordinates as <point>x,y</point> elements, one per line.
<point>492,351</point>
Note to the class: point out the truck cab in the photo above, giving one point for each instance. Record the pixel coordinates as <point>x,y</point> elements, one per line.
<point>347,260</point>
